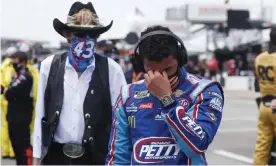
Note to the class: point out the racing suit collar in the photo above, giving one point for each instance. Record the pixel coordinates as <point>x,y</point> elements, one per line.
<point>182,76</point>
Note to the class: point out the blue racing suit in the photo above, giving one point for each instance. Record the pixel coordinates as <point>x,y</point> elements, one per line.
<point>145,133</point>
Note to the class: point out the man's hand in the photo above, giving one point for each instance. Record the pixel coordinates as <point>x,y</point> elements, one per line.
<point>273,104</point>
<point>158,84</point>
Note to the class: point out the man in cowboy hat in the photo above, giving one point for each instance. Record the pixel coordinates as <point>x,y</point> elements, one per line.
<point>77,90</point>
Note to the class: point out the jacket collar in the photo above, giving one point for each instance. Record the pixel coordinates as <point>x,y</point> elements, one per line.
<point>183,74</point>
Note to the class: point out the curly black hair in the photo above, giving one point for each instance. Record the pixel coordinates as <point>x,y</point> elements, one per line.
<point>157,47</point>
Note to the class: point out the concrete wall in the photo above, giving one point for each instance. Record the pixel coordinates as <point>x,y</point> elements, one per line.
<point>240,83</point>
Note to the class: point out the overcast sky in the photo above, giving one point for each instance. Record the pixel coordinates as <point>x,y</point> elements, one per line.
<point>32,19</point>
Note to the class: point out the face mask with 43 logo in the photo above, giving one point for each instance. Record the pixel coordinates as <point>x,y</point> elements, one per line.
<point>82,52</point>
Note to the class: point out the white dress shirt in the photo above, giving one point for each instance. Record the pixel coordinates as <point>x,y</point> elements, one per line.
<point>71,122</point>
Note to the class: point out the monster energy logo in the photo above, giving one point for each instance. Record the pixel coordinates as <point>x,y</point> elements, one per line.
<point>131,121</point>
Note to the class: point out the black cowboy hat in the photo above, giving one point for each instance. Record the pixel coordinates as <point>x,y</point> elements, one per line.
<point>82,18</point>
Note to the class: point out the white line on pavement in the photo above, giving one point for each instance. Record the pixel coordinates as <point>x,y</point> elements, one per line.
<point>233,156</point>
<point>237,130</point>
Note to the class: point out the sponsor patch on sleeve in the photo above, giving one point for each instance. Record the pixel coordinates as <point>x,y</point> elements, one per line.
<point>214,94</point>
<point>216,104</point>
<point>212,116</point>
<point>194,127</point>
<point>141,94</point>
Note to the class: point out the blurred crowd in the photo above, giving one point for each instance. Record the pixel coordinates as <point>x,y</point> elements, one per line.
<point>209,65</point>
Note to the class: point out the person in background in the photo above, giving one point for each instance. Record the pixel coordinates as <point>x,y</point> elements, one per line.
<point>20,109</point>
<point>104,48</point>
<point>25,47</point>
<point>35,63</point>
<point>3,57</point>
<point>190,67</point>
<point>265,87</point>
<point>77,90</point>
<point>213,68</point>
<point>9,53</point>
<point>202,67</point>
<point>100,47</point>
<point>109,48</point>
<point>6,69</point>
<point>134,75</point>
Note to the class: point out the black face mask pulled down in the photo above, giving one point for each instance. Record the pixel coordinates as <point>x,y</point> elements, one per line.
<point>174,79</point>
<point>17,67</point>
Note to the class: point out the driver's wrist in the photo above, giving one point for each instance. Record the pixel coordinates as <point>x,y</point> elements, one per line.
<point>166,94</point>
<point>168,100</point>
